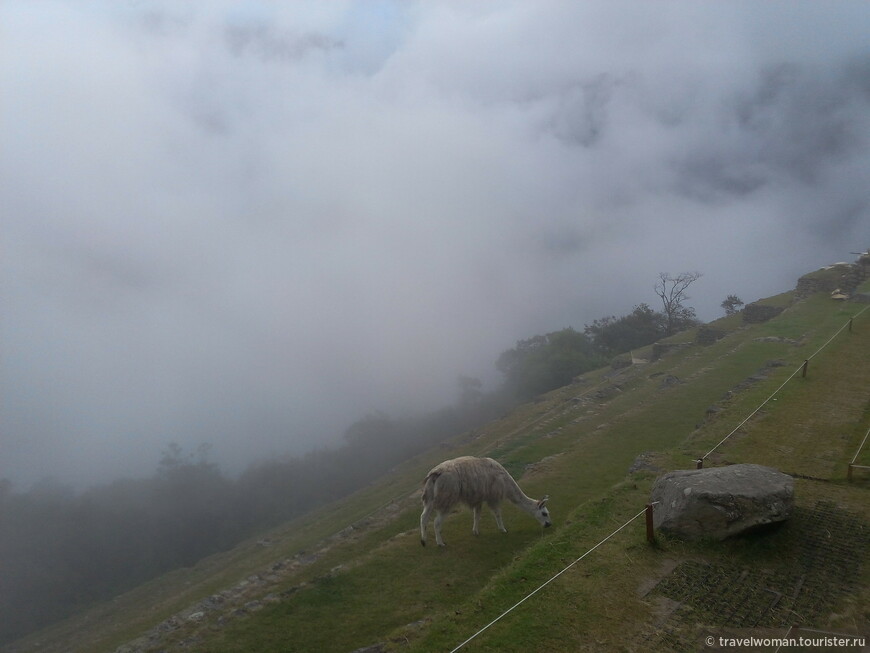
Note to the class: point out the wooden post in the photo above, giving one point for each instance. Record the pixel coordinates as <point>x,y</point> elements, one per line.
<point>650,533</point>
<point>850,324</point>
<point>700,463</point>
<point>849,473</point>
<point>804,370</point>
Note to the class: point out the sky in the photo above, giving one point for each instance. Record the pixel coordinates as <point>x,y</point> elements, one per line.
<point>253,223</point>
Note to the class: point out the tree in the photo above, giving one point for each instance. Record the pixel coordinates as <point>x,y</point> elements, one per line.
<point>542,363</point>
<point>616,335</point>
<point>672,292</point>
<point>732,304</point>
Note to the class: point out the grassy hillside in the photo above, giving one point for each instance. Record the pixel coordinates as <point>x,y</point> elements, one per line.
<point>354,574</point>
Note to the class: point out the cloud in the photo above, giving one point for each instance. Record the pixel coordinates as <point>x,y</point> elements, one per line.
<point>250,224</point>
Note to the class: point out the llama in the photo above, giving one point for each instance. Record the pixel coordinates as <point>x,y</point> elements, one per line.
<point>473,481</point>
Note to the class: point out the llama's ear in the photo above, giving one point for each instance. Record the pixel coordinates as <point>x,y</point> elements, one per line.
<point>543,501</point>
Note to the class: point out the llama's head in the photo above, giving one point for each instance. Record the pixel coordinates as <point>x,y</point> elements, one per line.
<point>542,514</point>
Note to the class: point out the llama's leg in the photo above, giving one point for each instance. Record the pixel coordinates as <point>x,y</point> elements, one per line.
<point>496,510</point>
<point>439,519</point>
<point>475,510</point>
<point>424,522</point>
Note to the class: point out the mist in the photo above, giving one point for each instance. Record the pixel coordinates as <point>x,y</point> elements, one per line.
<point>251,224</point>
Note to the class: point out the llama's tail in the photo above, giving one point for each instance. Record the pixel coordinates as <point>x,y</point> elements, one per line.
<point>429,486</point>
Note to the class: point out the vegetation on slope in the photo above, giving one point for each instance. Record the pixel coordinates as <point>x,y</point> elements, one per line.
<point>376,584</point>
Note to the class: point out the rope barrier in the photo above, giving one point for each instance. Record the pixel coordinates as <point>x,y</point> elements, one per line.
<point>753,413</point>
<point>538,589</point>
<point>838,331</point>
<point>802,366</point>
<point>852,465</point>
<point>863,442</point>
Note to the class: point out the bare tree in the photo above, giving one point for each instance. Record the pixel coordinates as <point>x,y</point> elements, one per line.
<point>672,291</point>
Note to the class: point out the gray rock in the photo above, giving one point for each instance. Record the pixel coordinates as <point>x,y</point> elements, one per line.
<point>720,502</point>
<point>669,381</point>
<point>644,463</point>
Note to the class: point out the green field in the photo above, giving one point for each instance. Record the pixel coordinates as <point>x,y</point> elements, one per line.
<point>354,574</point>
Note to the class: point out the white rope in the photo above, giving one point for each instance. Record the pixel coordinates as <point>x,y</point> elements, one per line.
<point>528,596</point>
<point>753,412</point>
<point>784,384</point>
<point>838,331</point>
<point>863,442</point>
<point>784,639</point>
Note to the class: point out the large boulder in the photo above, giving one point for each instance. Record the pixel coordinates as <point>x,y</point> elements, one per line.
<point>720,502</point>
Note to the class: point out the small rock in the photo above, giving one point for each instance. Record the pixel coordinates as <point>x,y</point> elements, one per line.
<point>643,462</point>
<point>669,381</point>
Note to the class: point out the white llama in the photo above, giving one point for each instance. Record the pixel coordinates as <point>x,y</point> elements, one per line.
<point>473,481</point>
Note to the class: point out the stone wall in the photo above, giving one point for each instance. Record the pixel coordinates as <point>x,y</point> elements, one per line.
<point>707,335</point>
<point>756,312</point>
<point>863,265</point>
<point>843,276</point>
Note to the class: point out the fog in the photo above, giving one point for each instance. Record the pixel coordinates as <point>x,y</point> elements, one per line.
<point>251,224</point>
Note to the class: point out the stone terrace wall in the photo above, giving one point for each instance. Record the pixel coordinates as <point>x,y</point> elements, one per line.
<point>845,276</point>
<point>755,313</point>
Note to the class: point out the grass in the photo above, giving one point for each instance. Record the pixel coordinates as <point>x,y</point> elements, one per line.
<point>575,444</point>
<point>586,464</point>
<point>580,603</point>
<point>572,601</point>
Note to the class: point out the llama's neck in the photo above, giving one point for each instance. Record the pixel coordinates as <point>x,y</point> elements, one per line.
<point>519,498</point>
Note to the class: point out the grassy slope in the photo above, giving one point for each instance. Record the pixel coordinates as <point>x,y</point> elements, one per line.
<point>813,429</point>
<point>380,586</point>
